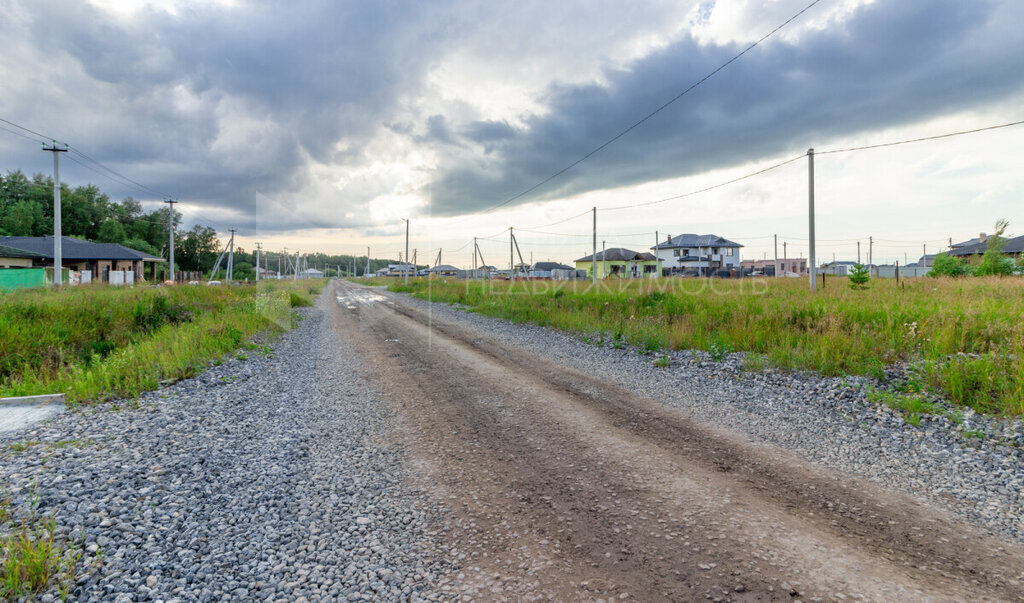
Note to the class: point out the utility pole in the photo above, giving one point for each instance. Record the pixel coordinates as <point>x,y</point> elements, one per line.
<point>871,252</point>
<point>231,256</point>
<point>810,217</point>
<point>924,252</point>
<point>776,238</point>
<point>406,250</point>
<point>259,247</point>
<point>511,255</point>
<point>58,258</point>
<point>785,258</point>
<point>170,228</point>
<point>604,260</point>
<point>295,268</point>
<point>858,252</point>
<point>657,258</point>
<point>367,263</point>
<point>593,263</point>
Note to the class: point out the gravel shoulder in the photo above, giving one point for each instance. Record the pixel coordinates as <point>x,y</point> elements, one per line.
<point>266,478</point>
<point>826,421</point>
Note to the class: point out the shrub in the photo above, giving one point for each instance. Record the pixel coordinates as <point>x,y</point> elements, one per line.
<point>994,263</point>
<point>947,265</point>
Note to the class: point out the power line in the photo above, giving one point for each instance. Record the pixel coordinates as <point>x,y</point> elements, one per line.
<point>20,127</point>
<point>642,120</point>
<point>706,189</point>
<point>936,137</point>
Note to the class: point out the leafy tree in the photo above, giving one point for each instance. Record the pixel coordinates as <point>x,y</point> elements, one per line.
<point>22,219</point>
<point>859,276</point>
<point>947,265</point>
<point>243,270</point>
<point>110,231</point>
<point>141,245</point>
<point>197,249</point>
<point>993,262</point>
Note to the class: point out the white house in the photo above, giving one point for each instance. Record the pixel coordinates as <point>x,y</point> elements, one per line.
<point>698,253</point>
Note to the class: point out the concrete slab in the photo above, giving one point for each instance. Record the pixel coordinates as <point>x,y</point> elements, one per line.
<point>18,416</point>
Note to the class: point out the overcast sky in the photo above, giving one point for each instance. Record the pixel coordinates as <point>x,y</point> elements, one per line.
<point>317,125</point>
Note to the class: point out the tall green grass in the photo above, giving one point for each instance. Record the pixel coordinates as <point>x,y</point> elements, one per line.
<point>97,342</point>
<point>967,335</point>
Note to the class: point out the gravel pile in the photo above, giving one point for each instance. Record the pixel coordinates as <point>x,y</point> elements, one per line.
<point>973,465</point>
<point>264,478</point>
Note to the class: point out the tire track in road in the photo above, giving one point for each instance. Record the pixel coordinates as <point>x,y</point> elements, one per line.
<point>567,487</point>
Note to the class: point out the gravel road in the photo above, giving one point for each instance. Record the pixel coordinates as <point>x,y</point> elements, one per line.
<point>388,448</point>
<point>268,478</point>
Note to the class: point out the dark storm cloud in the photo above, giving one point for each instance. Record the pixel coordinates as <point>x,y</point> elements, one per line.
<point>295,79</point>
<point>890,63</point>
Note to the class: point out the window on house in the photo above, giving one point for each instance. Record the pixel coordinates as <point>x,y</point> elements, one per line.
<point>686,253</point>
<point>729,251</point>
<point>676,252</point>
<point>650,268</point>
<point>714,251</point>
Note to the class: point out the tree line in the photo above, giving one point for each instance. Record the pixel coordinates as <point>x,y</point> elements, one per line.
<point>26,210</point>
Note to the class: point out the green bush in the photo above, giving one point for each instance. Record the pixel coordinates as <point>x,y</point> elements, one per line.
<point>947,265</point>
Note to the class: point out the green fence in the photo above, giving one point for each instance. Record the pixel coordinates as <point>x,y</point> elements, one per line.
<point>20,278</point>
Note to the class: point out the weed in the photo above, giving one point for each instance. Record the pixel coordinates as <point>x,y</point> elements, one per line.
<point>973,433</point>
<point>911,406</point>
<point>719,350</point>
<point>663,361</point>
<point>297,300</point>
<point>754,363</point>
<point>32,557</point>
<point>22,446</point>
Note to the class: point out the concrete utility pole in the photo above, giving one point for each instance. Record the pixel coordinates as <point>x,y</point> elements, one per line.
<point>367,263</point>
<point>810,217</point>
<point>871,251</point>
<point>924,252</point>
<point>406,250</point>
<point>259,247</point>
<point>858,252</point>
<point>593,263</point>
<point>511,259</point>
<point>604,260</point>
<point>170,228</point>
<point>785,257</point>
<point>58,258</point>
<point>657,258</point>
<point>295,268</point>
<point>776,238</point>
<point>231,256</point>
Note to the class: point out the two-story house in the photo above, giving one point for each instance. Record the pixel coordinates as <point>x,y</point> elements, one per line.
<point>702,254</point>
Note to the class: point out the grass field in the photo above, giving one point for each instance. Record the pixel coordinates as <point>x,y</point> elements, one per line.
<point>965,336</point>
<point>96,342</point>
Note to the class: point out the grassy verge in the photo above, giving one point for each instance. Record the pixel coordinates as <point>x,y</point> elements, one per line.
<point>968,336</point>
<point>32,557</point>
<point>98,342</point>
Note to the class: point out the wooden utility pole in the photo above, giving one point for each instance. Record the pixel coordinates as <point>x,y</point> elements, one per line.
<point>58,258</point>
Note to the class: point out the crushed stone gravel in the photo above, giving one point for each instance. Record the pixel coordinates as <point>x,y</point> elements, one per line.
<point>264,478</point>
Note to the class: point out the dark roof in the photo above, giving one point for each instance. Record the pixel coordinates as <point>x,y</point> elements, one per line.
<point>443,268</point>
<point>551,266</point>
<point>11,252</point>
<point>619,254</point>
<point>967,243</point>
<point>1013,245</point>
<point>76,249</point>
<point>694,240</point>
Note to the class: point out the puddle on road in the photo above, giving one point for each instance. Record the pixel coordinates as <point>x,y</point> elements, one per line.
<point>352,299</point>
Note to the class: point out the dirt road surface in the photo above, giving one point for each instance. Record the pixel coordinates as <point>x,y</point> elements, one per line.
<point>564,486</point>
